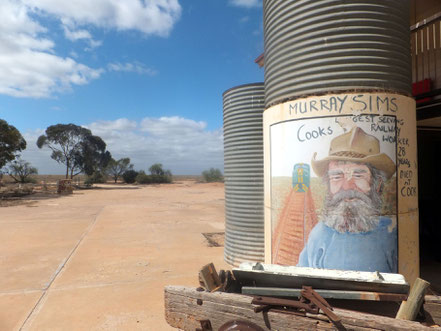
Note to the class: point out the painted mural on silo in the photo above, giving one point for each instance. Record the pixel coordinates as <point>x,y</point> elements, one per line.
<point>348,148</point>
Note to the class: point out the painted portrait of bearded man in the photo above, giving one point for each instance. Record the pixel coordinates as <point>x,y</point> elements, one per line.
<point>352,233</point>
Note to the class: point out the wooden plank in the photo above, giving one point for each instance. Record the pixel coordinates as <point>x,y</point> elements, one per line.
<point>427,21</point>
<point>425,53</point>
<point>434,310</point>
<point>437,54</point>
<point>295,277</point>
<point>183,311</point>
<point>409,309</point>
<point>433,93</point>
<point>419,57</point>
<point>185,307</point>
<point>432,50</point>
<point>327,294</point>
<point>210,278</point>
<point>432,299</point>
<point>413,45</point>
<point>432,305</point>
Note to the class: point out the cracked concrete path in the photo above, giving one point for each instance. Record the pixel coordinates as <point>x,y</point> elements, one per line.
<point>99,259</point>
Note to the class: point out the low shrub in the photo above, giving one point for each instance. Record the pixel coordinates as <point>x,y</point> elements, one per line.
<point>161,179</point>
<point>129,176</point>
<point>167,177</point>
<point>159,175</point>
<point>213,175</point>
<point>30,180</point>
<point>21,171</point>
<point>96,178</point>
<point>143,178</point>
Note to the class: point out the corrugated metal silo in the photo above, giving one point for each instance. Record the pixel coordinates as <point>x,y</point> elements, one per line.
<point>243,157</point>
<point>328,64</point>
<point>314,47</point>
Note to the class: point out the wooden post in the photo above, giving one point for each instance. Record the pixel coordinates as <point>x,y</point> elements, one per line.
<point>409,309</point>
<point>210,278</point>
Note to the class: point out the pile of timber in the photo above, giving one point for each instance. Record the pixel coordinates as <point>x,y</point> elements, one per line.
<point>263,296</point>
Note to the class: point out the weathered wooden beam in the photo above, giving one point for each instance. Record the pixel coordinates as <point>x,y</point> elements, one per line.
<point>185,307</point>
<point>432,305</point>
<point>409,309</point>
<point>327,294</point>
<point>270,275</point>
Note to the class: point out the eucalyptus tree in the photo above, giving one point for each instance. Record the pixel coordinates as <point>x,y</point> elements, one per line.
<point>76,148</point>
<point>116,168</point>
<point>11,143</point>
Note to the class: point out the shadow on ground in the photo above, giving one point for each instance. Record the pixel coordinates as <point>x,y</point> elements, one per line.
<point>28,200</point>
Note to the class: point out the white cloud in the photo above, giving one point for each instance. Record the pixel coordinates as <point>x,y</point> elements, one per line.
<point>73,54</point>
<point>246,3</point>
<point>80,34</point>
<point>93,44</point>
<point>112,127</point>
<point>257,32</point>
<point>164,125</point>
<point>28,65</point>
<point>153,17</point>
<point>182,145</point>
<point>136,67</point>
<point>76,35</point>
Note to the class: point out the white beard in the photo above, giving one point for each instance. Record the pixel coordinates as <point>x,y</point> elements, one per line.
<point>357,215</point>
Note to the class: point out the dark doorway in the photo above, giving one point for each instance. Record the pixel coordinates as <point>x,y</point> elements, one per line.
<point>429,178</point>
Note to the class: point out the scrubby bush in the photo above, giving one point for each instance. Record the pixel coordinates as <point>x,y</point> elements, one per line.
<point>129,176</point>
<point>143,178</point>
<point>168,177</point>
<point>96,178</point>
<point>213,175</point>
<point>21,171</point>
<point>159,175</point>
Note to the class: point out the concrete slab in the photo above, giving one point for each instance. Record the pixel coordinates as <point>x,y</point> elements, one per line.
<point>105,255</point>
<point>31,253</point>
<point>15,308</point>
<point>135,306</point>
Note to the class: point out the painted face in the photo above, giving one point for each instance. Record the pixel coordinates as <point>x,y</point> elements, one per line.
<point>344,175</point>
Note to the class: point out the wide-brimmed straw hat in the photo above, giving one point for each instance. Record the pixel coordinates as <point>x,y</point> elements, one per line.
<point>355,146</point>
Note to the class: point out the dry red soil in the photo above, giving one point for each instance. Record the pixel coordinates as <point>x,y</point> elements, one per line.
<point>99,259</point>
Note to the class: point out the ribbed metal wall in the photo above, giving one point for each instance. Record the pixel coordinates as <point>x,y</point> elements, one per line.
<point>313,47</point>
<point>243,172</point>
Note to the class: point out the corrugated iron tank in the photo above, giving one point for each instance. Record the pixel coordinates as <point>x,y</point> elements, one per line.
<point>243,157</point>
<point>314,47</point>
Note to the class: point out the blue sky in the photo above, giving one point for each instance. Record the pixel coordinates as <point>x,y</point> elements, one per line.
<point>145,75</point>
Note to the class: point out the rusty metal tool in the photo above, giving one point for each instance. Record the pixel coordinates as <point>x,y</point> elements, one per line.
<point>314,298</point>
<point>272,303</point>
<point>310,302</point>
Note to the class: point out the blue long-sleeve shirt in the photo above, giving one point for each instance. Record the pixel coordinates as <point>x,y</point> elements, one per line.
<point>375,250</point>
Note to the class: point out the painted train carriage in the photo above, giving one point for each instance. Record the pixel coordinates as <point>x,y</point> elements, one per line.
<point>301,177</point>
